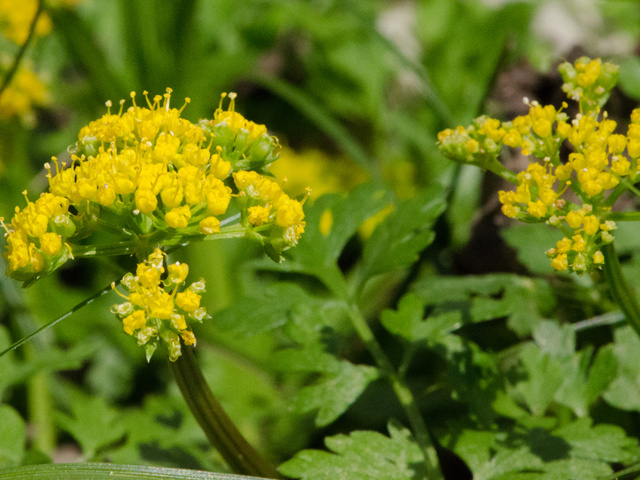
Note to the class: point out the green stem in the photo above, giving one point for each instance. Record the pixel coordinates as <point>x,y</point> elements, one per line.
<point>619,288</point>
<point>622,216</point>
<point>216,424</point>
<point>23,49</point>
<point>422,434</point>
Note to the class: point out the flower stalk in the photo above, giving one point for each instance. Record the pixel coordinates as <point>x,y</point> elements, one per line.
<point>216,424</point>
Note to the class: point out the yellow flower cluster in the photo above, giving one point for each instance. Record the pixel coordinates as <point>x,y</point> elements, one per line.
<point>600,162</point>
<point>149,174</point>
<point>36,236</point>
<point>314,169</point>
<point>265,202</point>
<point>25,92</point>
<point>155,311</point>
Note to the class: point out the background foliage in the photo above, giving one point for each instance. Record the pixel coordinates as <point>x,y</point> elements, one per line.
<point>519,372</point>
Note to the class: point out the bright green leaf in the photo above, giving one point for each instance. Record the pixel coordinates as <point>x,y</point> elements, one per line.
<point>12,437</point>
<point>363,455</point>
<point>490,297</point>
<point>340,386</point>
<point>398,240</point>
<point>91,422</point>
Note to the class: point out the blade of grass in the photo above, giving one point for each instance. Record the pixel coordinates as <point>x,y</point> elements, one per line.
<point>109,471</point>
<point>83,303</point>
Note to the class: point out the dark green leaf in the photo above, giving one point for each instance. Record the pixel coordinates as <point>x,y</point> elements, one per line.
<point>265,311</point>
<point>91,422</point>
<point>398,240</point>
<point>319,248</point>
<point>490,297</point>
<point>341,385</point>
<point>531,241</point>
<point>408,321</point>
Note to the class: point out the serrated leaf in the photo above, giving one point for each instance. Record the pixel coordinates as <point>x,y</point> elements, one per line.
<point>263,312</point>
<point>92,422</point>
<point>12,437</point>
<point>320,247</point>
<point>341,385</point>
<point>576,451</point>
<point>163,432</point>
<point>14,372</point>
<point>530,243</point>
<point>407,321</point>
<point>606,443</point>
<point>491,296</point>
<point>544,379</point>
<point>557,373</point>
<point>398,240</point>
<point>363,455</point>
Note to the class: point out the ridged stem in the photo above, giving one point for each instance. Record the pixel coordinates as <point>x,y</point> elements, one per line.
<point>400,388</point>
<point>216,424</point>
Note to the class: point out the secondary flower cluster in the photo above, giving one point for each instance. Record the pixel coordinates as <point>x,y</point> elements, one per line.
<point>596,172</point>
<point>37,239</point>
<point>155,311</point>
<point>148,174</point>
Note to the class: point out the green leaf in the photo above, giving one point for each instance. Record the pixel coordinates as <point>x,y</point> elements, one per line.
<point>341,385</point>
<point>163,432</point>
<point>12,437</point>
<point>544,378</point>
<point>624,391</point>
<point>557,373</point>
<point>91,422</point>
<point>319,248</point>
<point>398,240</point>
<point>606,443</point>
<point>531,241</point>
<point>408,321</point>
<point>362,455</point>
<point>265,311</point>
<point>576,451</point>
<point>489,297</point>
<point>629,77</point>
<point>15,372</point>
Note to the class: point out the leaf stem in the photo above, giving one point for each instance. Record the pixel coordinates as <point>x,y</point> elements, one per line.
<point>422,434</point>
<point>216,424</point>
<point>619,288</point>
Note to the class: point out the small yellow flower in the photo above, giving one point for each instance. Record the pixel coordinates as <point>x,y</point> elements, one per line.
<point>50,243</point>
<point>560,263</point>
<point>178,217</point>
<point>210,225</point>
<point>134,322</point>
<point>188,301</point>
<point>258,215</point>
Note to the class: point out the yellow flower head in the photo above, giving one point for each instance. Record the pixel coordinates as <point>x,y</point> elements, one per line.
<point>155,312</point>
